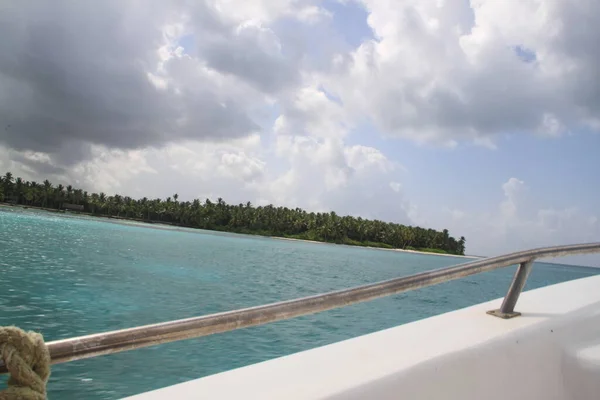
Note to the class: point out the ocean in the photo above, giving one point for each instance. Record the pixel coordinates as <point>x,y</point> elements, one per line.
<point>68,276</point>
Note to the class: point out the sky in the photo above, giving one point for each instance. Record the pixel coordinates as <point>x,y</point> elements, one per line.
<point>479,116</point>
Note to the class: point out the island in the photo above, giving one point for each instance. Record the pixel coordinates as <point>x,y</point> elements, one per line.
<point>269,220</point>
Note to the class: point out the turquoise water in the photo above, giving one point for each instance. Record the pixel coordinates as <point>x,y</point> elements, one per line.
<point>68,276</point>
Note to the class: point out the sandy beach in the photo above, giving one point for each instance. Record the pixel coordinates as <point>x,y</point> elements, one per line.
<point>379,248</point>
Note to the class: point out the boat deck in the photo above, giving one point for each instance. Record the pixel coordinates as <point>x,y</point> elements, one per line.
<point>552,351</point>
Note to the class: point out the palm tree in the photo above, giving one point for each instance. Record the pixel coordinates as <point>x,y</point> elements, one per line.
<point>8,177</point>
<point>47,192</point>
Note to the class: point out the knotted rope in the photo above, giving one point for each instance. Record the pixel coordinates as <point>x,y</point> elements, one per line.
<point>27,359</point>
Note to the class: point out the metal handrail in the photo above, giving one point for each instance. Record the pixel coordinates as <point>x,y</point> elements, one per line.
<point>133,338</point>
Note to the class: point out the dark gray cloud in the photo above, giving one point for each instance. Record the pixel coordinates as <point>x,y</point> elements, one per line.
<point>250,51</point>
<point>73,73</point>
<point>38,167</point>
<point>579,34</point>
<point>265,68</point>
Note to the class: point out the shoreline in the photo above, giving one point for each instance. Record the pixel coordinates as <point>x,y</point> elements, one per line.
<point>157,224</point>
<point>377,248</point>
<point>167,225</point>
<point>88,214</point>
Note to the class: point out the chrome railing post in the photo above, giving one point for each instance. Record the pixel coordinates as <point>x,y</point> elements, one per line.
<point>507,309</point>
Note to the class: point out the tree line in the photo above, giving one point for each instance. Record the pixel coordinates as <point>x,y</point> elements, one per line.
<point>242,218</point>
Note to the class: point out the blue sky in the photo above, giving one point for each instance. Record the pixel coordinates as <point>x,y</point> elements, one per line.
<point>350,20</point>
<point>561,171</point>
<point>433,113</point>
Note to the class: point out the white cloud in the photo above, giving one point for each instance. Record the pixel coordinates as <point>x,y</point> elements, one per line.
<point>515,225</point>
<point>395,186</point>
<point>446,71</point>
<point>512,189</point>
<point>312,14</point>
<point>239,165</point>
<point>363,157</point>
<point>325,173</point>
<point>266,10</point>
<point>328,175</point>
<point>309,111</point>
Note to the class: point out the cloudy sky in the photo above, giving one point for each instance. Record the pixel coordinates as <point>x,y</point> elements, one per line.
<point>479,116</point>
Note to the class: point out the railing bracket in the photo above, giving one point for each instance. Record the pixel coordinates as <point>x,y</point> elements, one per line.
<point>507,309</point>
<point>503,315</point>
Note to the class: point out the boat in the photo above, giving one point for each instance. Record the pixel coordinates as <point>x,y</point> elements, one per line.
<point>546,348</point>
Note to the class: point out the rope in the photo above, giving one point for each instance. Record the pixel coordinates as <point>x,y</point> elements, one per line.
<point>27,360</point>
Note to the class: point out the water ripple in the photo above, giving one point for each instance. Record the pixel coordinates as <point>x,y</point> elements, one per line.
<point>67,276</point>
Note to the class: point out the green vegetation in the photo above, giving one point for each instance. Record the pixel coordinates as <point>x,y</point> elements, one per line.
<point>243,218</point>
<point>428,250</point>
